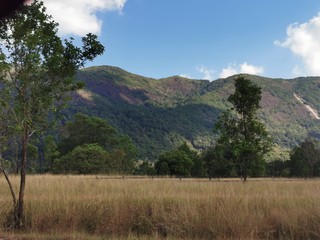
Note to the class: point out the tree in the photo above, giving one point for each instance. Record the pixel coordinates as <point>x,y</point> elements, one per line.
<point>37,70</point>
<point>86,129</point>
<point>305,159</point>
<point>240,130</point>
<point>50,152</point>
<point>178,162</point>
<point>218,162</point>
<point>84,159</point>
<point>278,168</point>
<point>145,168</point>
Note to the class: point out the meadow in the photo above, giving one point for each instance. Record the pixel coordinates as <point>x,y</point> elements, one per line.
<point>99,207</point>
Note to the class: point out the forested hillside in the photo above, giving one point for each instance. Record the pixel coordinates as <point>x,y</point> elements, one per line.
<point>159,114</point>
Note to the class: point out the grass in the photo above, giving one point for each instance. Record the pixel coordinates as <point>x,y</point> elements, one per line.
<point>86,207</point>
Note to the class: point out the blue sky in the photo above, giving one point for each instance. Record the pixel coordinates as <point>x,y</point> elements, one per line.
<point>202,39</point>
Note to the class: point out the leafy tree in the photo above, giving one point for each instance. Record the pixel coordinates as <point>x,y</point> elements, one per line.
<point>218,162</point>
<point>37,69</point>
<point>178,162</point>
<point>305,159</point>
<point>162,168</point>
<point>84,159</point>
<point>85,129</point>
<point>240,130</point>
<point>198,169</point>
<point>278,168</point>
<point>145,168</point>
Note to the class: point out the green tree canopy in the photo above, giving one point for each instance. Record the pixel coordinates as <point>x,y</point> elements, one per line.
<point>87,130</point>
<point>218,162</point>
<point>179,162</point>
<point>241,132</point>
<point>84,159</point>
<point>305,159</point>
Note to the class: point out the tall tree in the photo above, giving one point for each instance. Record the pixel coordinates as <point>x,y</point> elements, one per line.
<point>241,132</point>
<point>37,70</point>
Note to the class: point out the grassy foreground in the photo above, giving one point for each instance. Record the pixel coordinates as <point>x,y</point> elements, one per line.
<point>86,207</point>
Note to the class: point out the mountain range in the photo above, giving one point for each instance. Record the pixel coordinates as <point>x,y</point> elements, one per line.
<point>160,114</point>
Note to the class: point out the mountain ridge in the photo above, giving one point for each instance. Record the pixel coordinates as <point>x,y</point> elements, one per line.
<point>159,114</point>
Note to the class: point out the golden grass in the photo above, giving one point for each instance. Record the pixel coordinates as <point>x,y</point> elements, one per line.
<point>76,207</point>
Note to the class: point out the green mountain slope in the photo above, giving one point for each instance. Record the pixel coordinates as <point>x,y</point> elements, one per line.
<point>159,114</point>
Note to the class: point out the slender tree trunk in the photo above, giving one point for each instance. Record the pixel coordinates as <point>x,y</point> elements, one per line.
<point>20,209</point>
<point>17,157</point>
<point>244,171</point>
<point>14,199</point>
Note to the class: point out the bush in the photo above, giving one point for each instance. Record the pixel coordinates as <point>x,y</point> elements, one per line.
<point>85,159</point>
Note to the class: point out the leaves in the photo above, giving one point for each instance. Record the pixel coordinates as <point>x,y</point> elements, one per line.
<point>241,132</point>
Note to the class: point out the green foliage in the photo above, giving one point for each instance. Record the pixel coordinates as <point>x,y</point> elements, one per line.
<point>160,114</point>
<point>218,162</point>
<point>146,168</point>
<point>180,162</point>
<point>305,159</point>
<point>278,168</point>
<point>84,159</point>
<point>39,66</point>
<point>50,151</point>
<point>36,71</point>
<point>86,131</point>
<point>240,130</point>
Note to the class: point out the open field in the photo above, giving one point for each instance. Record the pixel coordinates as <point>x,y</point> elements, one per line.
<point>86,207</point>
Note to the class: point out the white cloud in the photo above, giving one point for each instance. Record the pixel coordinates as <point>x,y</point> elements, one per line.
<point>297,72</point>
<point>250,69</point>
<point>229,71</point>
<point>233,69</point>
<point>304,41</point>
<point>185,76</point>
<point>79,17</point>
<point>207,73</point>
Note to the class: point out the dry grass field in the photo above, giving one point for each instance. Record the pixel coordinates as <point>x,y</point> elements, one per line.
<point>87,207</point>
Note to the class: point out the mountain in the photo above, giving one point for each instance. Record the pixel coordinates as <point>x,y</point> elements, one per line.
<point>159,114</point>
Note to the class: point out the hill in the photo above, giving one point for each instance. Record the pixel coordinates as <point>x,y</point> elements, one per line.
<point>159,114</point>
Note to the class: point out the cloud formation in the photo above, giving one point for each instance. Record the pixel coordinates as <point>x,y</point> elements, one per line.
<point>78,17</point>
<point>304,41</point>
<point>208,74</point>
<point>185,76</point>
<point>233,69</point>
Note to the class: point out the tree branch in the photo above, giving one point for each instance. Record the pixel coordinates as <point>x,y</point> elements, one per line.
<point>14,199</point>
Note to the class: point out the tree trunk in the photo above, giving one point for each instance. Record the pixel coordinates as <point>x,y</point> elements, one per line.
<point>17,157</point>
<point>244,171</point>
<point>20,208</point>
<point>14,199</point>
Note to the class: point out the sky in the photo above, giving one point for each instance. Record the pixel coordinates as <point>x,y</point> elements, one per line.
<point>199,39</point>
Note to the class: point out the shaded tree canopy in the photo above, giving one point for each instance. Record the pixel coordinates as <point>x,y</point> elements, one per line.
<point>305,159</point>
